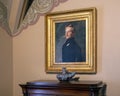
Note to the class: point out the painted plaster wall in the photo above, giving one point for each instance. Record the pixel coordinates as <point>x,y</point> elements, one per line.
<point>6,67</point>
<point>29,49</point>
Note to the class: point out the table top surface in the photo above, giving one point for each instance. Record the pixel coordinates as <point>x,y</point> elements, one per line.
<point>58,83</point>
<point>82,84</point>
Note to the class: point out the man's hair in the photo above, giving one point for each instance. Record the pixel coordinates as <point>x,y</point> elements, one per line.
<point>70,25</point>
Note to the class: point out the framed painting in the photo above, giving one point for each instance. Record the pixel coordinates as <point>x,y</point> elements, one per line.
<point>71,41</point>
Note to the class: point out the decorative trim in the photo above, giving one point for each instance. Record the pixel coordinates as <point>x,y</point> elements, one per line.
<point>3,18</point>
<point>38,8</point>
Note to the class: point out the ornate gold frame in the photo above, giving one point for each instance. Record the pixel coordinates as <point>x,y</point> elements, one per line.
<point>90,17</point>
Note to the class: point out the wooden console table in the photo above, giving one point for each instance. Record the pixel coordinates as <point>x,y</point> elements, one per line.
<point>56,88</point>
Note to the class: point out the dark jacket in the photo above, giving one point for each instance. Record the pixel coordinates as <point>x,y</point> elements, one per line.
<point>71,52</point>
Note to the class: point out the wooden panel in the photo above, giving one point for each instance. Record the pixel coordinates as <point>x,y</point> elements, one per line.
<point>55,88</point>
<point>60,92</point>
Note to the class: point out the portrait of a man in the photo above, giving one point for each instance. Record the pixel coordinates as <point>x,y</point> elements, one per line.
<point>70,41</point>
<point>71,51</point>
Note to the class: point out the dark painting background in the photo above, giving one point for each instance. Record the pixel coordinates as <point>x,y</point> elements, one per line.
<point>80,37</point>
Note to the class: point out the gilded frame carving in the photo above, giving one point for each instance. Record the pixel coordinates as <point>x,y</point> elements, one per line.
<point>84,20</point>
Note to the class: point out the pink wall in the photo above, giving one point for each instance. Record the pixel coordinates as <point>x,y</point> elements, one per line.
<point>6,67</point>
<point>29,49</point>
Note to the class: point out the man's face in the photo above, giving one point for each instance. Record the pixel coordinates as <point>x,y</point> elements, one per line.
<point>68,32</point>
